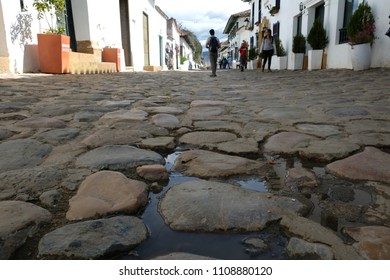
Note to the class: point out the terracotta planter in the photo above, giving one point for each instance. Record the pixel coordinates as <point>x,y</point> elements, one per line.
<point>112,55</point>
<point>54,53</point>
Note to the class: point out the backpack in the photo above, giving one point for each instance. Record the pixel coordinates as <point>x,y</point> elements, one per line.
<point>213,44</point>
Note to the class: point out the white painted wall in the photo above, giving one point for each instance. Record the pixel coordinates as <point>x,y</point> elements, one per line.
<point>17,29</point>
<point>97,21</point>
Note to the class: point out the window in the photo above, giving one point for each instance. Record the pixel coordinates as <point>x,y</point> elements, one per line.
<point>275,29</point>
<point>349,7</point>
<point>299,25</point>
<point>253,15</point>
<point>259,12</point>
<point>22,6</point>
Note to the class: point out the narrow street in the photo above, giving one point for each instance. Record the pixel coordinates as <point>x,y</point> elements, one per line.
<point>179,165</point>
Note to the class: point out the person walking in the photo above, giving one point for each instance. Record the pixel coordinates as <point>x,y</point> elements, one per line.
<point>267,49</point>
<point>243,50</point>
<point>213,44</point>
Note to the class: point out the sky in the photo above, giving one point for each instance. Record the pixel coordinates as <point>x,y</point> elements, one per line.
<point>199,16</point>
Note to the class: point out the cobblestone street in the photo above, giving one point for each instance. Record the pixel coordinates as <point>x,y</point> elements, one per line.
<point>180,165</point>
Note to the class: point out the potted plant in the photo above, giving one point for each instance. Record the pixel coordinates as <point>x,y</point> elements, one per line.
<point>112,54</point>
<point>53,45</point>
<point>252,58</point>
<point>274,10</point>
<point>298,52</point>
<point>318,41</point>
<point>361,35</point>
<point>280,61</point>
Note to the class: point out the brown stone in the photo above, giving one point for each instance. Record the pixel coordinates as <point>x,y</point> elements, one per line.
<point>107,192</point>
<point>372,164</point>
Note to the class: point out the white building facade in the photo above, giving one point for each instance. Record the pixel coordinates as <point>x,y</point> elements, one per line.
<point>298,16</point>
<point>137,27</point>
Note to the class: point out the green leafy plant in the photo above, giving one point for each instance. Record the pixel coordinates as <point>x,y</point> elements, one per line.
<point>299,44</point>
<point>317,36</point>
<point>183,59</point>
<point>361,26</point>
<point>280,51</point>
<point>53,9</point>
<point>252,54</point>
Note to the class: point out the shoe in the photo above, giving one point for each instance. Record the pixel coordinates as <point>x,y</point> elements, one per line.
<point>269,70</point>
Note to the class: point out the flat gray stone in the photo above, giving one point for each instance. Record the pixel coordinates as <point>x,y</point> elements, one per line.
<point>239,146</point>
<point>208,206</point>
<point>313,232</point>
<point>372,164</point>
<point>328,150</point>
<point>158,143</point>
<point>200,113</point>
<point>50,198</point>
<point>59,135</point>
<point>94,239</point>
<point>41,122</point>
<point>18,221</point>
<point>118,157</point>
<point>133,115</point>
<point>348,112</point>
<point>165,120</point>
<point>112,136</point>
<point>5,133</point>
<point>207,164</point>
<point>87,116</point>
<point>206,137</point>
<point>31,182</point>
<point>287,142</point>
<point>107,192</point>
<point>23,153</point>
<point>322,130</point>
<point>301,249</point>
<point>285,114</point>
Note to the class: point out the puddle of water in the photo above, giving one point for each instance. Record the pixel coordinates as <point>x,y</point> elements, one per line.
<point>222,245</point>
<point>163,240</point>
<point>255,184</point>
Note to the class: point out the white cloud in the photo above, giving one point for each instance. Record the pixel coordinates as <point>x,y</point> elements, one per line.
<point>200,16</point>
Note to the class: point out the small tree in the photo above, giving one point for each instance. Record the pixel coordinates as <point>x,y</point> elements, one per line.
<point>252,54</point>
<point>54,8</point>
<point>361,26</point>
<point>317,36</point>
<point>280,51</point>
<point>299,44</point>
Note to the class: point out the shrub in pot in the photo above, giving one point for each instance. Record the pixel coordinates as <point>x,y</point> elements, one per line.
<point>318,40</point>
<point>361,35</point>
<point>298,52</point>
<point>280,61</point>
